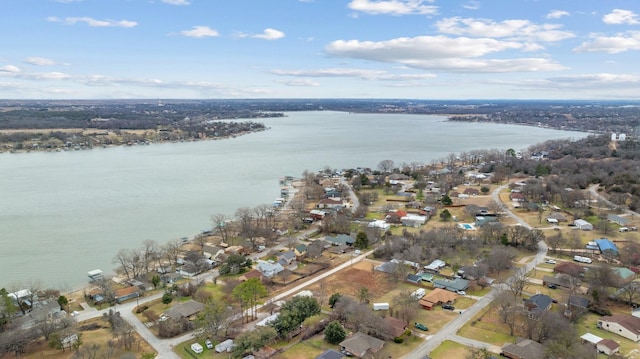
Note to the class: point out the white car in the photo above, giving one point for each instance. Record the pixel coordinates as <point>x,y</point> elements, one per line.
<point>461,292</point>
<point>550,261</point>
<point>209,344</point>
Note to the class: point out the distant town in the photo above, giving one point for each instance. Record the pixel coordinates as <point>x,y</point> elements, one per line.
<point>524,254</point>
<point>72,125</point>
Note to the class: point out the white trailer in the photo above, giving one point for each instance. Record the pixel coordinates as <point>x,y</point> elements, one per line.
<point>380,306</point>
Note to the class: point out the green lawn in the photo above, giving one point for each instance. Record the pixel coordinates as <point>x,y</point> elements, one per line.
<point>587,324</point>
<point>449,350</point>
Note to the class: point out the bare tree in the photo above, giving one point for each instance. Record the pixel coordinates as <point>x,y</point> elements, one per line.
<point>631,292</point>
<point>386,166</point>
<point>172,250</point>
<point>220,225</point>
<point>518,282</point>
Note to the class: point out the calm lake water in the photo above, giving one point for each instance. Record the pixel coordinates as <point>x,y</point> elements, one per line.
<point>63,214</point>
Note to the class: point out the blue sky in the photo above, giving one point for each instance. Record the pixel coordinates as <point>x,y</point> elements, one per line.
<point>422,49</point>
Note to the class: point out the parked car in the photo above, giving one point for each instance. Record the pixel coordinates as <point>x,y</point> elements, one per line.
<point>421,327</point>
<point>461,292</point>
<point>209,344</point>
<point>552,286</point>
<point>550,261</point>
<point>448,307</point>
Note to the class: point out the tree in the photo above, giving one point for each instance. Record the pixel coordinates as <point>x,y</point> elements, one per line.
<point>248,293</point>
<point>362,241</point>
<point>518,282</point>
<point>334,299</point>
<point>214,318</point>
<point>294,312</point>
<point>167,298</point>
<point>363,295</point>
<point>555,241</point>
<point>405,306</point>
<point>253,340</point>
<point>445,215</point>
<point>63,302</point>
<point>334,333</point>
<point>478,353</point>
<point>386,166</point>
<point>446,200</point>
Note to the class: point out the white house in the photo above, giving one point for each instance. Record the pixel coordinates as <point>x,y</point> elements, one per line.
<point>413,220</point>
<point>380,224</point>
<point>269,269</point>
<point>583,225</point>
<point>624,325</point>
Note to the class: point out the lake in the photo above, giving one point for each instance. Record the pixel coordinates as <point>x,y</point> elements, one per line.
<point>65,213</point>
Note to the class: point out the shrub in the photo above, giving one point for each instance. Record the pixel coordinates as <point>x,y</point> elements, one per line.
<point>398,340</point>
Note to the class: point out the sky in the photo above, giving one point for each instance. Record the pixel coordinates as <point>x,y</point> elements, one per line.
<point>393,49</point>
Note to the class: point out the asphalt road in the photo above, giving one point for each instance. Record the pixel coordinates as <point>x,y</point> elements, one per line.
<point>448,332</point>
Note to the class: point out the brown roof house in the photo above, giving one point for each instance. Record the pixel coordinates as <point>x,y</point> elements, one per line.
<point>394,326</point>
<point>362,345</point>
<point>523,349</point>
<point>624,325</point>
<point>608,346</point>
<point>437,296</point>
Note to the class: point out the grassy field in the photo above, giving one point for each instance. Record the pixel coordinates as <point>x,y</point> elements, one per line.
<point>450,350</point>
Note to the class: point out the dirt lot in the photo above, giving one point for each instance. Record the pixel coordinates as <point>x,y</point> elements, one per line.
<point>350,280</point>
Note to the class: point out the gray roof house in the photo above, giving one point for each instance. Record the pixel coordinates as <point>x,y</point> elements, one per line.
<point>360,344</point>
<point>288,257</point>
<point>523,349</point>
<point>330,354</point>
<point>185,310</point>
<point>537,304</point>
<point>452,285</point>
<point>340,239</point>
<point>269,269</point>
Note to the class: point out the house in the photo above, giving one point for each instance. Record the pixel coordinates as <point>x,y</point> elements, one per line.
<point>330,354</point>
<point>517,197</point>
<point>395,216</point>
<point>413,220</point>
<point>394,326</point>
<point>413,278</point>
<point>471,191</point>
<point>427,277</point>
<point>340,239</point>
<point>608,347</point>
<point>537,304</point>
<point>379,224</point>
<point>557,216</point>
<point>552,220</point>
<point>300,250</point>
<point>523,349</point>
<point>317,214</point>
<point>127,293</point>
<point>625,275</point>
<point>360,344</point>
<point>624,325</point>
<point>606,245</point>
<point>171,278</point>
<point>254,273</point>
<point>578,303</point>
<point>452,285</point>
<point>435,266</point>
<point>482,220</point>
<point>268,320</point>
<point>569,268</point>
<point>186,310</point>
<point>436,297</point>
<point>583,225</point>
<point>287,258</point>
<point>387,267</point>
<point>618,220</point>
<point>330,203</point>
<point>269,269</point>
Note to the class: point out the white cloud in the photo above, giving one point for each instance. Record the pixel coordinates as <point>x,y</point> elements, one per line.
<point>200,31</point>
<point>604,83</point>
<point>509,29</point>
<point>9,68</point>
<point>471,5</point>
<point>93,22</point>
<point>442,53</point>
<point>350,72</point>
<point>299,83</point>
<point>619,16</point>
<point>39,61</point>
<point>393,7</point>
<point>556,14</point>
<point>611,44</point>
<point>270,34</point>
<point>177,2</point>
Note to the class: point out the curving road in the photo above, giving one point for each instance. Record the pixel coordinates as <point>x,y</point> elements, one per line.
<point>448,332</point>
